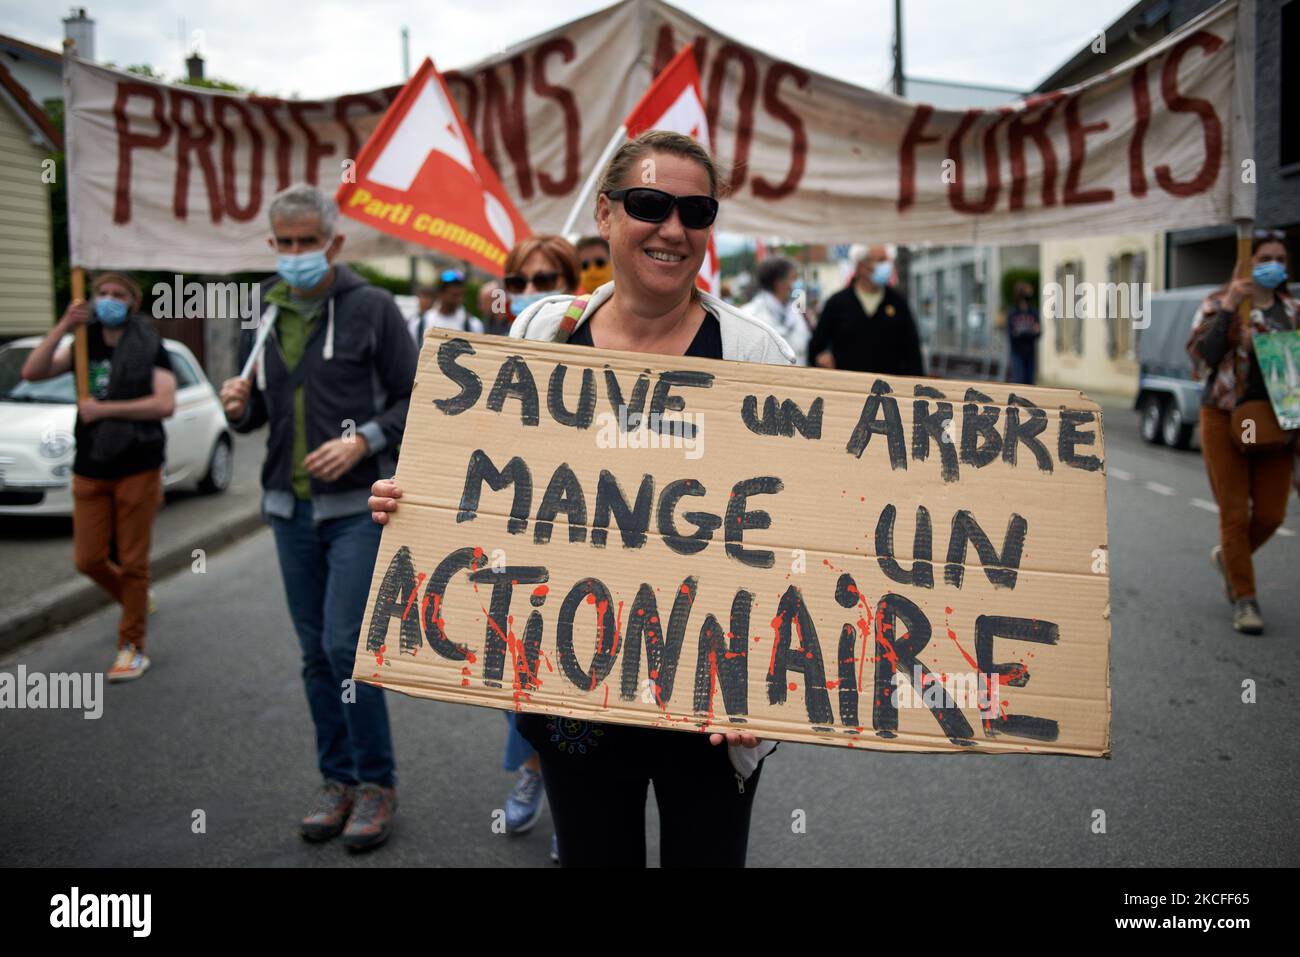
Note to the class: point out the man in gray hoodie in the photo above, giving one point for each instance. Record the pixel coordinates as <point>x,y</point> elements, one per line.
<point>333,382</point>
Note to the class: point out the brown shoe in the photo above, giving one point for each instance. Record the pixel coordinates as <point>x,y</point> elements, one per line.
<point>330,813</point>
<point>372,817</point>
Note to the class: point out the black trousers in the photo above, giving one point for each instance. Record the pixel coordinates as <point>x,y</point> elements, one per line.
<point>596,777</point>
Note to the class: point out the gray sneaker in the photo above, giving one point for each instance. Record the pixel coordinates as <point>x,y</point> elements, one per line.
<point>524,802</point>
<point>1246,617</point>
<point>372,817</point>
<point>330,813</point>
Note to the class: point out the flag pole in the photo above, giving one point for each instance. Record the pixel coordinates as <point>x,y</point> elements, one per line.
<point>1242,269</point>
<point>80,344</point>
<point>259,346</point>
<point>615,141</point>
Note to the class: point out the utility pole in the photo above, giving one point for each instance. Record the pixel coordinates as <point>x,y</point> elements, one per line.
<point>406,75</point>
<point>903,259</point>
<point>898,47</point>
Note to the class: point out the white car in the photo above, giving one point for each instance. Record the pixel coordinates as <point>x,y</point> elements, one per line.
<point>36,434</point>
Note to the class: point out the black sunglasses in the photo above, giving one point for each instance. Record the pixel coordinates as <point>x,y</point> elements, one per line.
<point>542,282</point>
<point>598,263</point>
<point>654,206</point>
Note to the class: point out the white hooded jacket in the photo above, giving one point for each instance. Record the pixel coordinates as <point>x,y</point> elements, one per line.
<point>744,338</point>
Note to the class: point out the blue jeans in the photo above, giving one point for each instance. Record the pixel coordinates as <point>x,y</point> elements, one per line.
<point>517,749</point>
<point>1023,367</point>
<point>326,570</point>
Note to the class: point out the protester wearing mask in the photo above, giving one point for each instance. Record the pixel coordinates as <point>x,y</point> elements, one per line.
<point>1251,481</point>
<point>777,306</point>
<point>1023,330</point>
<point>120,446</point>
<point>593,258</point>
<point>334,383</point>
<point>448,312</point>
<point>540,266</point>
<point>658,238</point>
<point>868,327</point>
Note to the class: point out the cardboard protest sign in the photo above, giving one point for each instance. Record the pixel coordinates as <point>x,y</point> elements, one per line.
<point>808,555</point>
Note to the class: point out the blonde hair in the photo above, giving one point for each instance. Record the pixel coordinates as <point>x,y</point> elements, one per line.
<point>656,141</point>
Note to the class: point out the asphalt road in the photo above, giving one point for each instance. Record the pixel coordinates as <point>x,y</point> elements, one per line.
<point>36,551</point>
<point>1197,778</point>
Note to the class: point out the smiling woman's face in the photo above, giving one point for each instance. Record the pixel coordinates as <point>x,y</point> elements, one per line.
<point>657,260</point>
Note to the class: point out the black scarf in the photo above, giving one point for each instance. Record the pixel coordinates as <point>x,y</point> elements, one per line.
<point>131,378</point>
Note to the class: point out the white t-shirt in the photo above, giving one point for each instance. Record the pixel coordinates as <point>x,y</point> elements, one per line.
<point>459,320</point>
<point>785,319</point>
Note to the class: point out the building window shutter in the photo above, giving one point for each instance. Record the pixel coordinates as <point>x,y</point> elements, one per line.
<point>1139,277</point>
<point>1113,319</point>
<point>1077,269</point>
<point>1058,310</point>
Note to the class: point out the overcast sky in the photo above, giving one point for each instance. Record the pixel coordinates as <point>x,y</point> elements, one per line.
<point>320,48</point>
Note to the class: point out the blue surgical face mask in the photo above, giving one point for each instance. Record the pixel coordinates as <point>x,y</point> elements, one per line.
<point>304,270</point>
<point>109,311</point>
<point>882,272</point>
<point>521,301</point>
<point>1270,275</point>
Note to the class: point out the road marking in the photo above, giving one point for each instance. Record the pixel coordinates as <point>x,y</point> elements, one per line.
<point>1122,474</point>
<point>1286,533</point>
<point>1161,489</point>
<point>1208,506</point>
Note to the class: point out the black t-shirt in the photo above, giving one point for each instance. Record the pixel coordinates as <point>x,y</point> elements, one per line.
<point>707,343</point>
<point>539,729</point>
<point>1020,326</point>
<point>147,452</point>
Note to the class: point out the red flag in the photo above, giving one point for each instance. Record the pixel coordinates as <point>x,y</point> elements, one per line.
<point>674,102</point>
<point>420,177</point>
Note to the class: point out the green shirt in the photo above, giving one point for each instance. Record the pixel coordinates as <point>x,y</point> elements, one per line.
<point>295,321</point>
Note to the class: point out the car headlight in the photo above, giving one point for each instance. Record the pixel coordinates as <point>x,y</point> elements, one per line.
<point>55,444</point>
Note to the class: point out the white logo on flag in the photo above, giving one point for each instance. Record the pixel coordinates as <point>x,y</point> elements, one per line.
<point>430,126</point>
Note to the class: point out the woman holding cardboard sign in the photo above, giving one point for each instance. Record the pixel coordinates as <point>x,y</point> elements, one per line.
<point>1248,456</point>
<point>656,205</point>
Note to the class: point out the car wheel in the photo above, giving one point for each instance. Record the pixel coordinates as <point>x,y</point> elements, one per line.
<point>1152,419</point>
<point>1176,433</point>
<point>221,466</point>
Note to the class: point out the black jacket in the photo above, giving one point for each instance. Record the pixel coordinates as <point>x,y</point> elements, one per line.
<point>886,343</point>
<point>115,448</point>
<point>358,367</point>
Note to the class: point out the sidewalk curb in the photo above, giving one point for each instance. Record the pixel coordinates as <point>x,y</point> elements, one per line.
<point>66,603</point>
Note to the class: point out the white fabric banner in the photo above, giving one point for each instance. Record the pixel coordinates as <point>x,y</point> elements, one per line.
<point>172,177</point>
